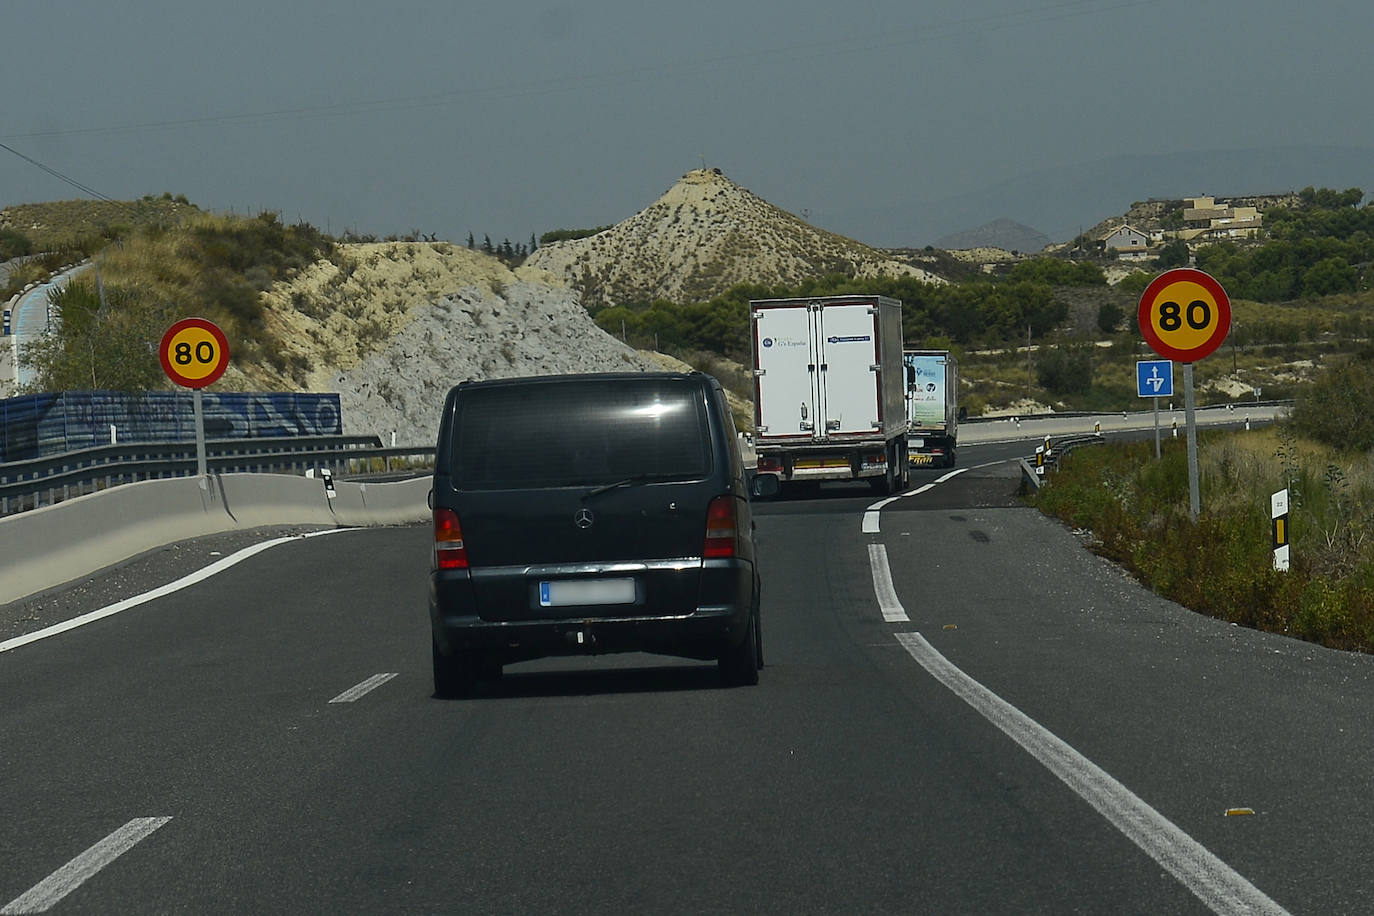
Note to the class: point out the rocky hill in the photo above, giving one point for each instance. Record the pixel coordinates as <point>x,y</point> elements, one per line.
<point>394,325</point>
<point>704,235</point>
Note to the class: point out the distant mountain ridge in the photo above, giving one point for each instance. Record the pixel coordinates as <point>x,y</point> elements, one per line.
<point>1006,234</point>
<point>1063,202</point>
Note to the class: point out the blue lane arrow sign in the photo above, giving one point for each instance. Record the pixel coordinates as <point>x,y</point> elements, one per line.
<point>1154,378</point>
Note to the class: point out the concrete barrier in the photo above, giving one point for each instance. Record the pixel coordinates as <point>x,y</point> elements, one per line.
<point>74,538</point>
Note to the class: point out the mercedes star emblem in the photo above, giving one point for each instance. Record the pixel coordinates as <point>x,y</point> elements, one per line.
<point>583,518</point>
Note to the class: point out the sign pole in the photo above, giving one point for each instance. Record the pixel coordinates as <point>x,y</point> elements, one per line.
<point>200,433</point>
<point>1185,315</point>
<point>194,353</point>
<point>1156,400</point>
<point>1194,501</point>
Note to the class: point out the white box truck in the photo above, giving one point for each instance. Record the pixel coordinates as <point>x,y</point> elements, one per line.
<point>932,403</point>
<point>829,391</point>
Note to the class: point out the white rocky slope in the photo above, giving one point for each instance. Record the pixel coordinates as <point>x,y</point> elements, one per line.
<point>401,323</point>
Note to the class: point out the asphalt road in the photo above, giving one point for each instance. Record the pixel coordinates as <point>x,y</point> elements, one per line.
<point>265,741</point>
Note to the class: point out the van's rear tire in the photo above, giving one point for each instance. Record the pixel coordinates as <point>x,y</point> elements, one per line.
<point>758,635</point>
<point>454,675</point>
<point>739,664</point>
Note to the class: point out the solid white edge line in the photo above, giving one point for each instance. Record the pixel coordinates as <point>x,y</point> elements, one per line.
<point>888,603</point>
<point>367,686</point>
<point>199,575</point>
<point>1209,878</point>
<point>872,515</point>
<point>46,893</point>
<point>949,476</point>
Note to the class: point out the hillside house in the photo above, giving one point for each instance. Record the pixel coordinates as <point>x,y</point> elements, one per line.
<point>1128,243</point>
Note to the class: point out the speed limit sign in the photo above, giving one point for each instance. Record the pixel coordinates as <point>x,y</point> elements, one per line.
<point>194,352</point>
<point>1184,314</point>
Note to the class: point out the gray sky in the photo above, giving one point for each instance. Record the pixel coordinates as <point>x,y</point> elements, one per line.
<point>519,118</point>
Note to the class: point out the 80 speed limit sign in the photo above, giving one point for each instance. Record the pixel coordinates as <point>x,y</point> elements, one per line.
<point>194,352</point>
<point>1184,314</point>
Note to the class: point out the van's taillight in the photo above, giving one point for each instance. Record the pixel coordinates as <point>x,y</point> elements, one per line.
<point>449,552</point>
<point>720,528</point>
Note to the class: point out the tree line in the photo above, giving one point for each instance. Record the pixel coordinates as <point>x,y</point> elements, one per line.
<point>1324,248</point>
<point>975,312</point>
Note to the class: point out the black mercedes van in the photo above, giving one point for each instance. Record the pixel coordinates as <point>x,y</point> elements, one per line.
<point>584,514</point>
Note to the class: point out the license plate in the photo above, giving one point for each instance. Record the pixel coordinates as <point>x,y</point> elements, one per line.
<point>921,459</point>
<point>573,592</point>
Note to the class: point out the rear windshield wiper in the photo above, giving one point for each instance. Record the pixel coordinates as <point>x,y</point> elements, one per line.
<point>636,480</point>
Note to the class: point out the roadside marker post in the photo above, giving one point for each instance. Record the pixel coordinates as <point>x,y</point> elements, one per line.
<point>1278,513</point>
<point>1184,315</point>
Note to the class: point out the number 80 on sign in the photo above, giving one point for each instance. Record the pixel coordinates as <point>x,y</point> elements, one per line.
<point>194,352</point>
<point>1184,314</point>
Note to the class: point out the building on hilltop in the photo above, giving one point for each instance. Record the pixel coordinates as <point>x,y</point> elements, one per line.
<point>1130,244</point>
<point>1207,218</point>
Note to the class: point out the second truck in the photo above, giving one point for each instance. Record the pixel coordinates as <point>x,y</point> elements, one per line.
<point>829,391</point>
<point>932,401</point>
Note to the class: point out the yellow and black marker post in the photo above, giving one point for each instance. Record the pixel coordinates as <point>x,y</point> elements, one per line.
<point>1278,512</point>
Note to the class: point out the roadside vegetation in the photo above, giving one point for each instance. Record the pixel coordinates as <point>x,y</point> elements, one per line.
<point>55,234</point>
<point>1134,509</point>
<point>212,266</point>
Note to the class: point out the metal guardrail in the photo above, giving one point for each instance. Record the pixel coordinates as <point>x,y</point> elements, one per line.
<point>1048,455</point>
<point>43,481</point>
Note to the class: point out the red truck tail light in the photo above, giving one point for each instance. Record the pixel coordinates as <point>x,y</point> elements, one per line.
<point>721,529</point>
<point>769,463</point>
<point>449,552</point>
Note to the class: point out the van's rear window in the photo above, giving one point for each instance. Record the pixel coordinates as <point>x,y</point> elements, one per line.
<point>575,432</point>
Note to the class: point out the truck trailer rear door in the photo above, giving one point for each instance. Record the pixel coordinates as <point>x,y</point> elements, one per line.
<point>786,355</point>
<point>848,337</point>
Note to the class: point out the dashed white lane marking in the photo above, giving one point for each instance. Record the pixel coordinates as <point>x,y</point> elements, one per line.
<point>367,686</point>
<point>892,609</point>
<point>1209,878</point>
<point>43,895</point>
<point>200,575</point>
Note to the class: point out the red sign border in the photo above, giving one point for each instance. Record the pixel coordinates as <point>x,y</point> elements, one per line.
<point>204,324</point>
<point>1151,295</point>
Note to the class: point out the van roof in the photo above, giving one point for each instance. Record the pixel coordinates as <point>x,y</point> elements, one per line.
<point>581,376</point>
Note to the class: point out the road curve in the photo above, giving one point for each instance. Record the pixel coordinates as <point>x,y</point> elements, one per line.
<point>265,741</point>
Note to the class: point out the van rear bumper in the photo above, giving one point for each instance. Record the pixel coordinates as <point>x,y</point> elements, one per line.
<point>696,632</point>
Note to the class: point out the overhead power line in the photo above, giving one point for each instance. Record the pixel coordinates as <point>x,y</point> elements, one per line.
<point>56,174</point>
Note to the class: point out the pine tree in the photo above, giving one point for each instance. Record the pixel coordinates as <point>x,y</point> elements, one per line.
<point>472,243</point>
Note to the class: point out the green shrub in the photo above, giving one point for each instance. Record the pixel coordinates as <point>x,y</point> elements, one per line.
<point>1335,408</point>
<point>14,244</point>
<point>1065,369</point>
